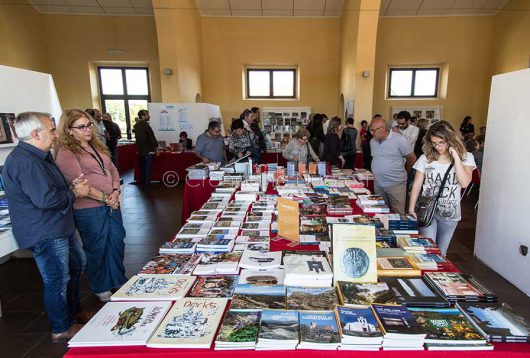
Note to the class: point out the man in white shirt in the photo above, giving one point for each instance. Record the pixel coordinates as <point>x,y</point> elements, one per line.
<point>408,131</point>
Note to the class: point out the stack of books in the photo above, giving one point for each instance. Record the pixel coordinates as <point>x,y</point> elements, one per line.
<point>417,245</point>
<point>215,244</point>
<point>198,171</point>
<point>218,264</point>
<point>400,330</point>
<point>396,267</point>
<point>251,297</point>
<point>359,329</point>
<point>372,204</point>
<point>216,175</point>
<point>260,260</point>
<point>180,246</point>
<point>154,288</point>
<point>307,269</point>
<point>448,329</point>
<point>262,277</point>
<point>239,330</point>
<point>431,262</point>
<point>171,264</point>
<point>363,174</point>
<point>456,286</point>
<point>318,330</point>
<point>400,224</point>
<point>311,298</point>
<point>278,330</point>
<point>246,196</point>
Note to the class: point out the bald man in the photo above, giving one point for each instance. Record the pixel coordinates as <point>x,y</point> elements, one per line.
<point>393,157</point>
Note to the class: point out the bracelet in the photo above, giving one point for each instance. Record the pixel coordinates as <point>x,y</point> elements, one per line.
<point>117,189</point>
<point>103,198</point>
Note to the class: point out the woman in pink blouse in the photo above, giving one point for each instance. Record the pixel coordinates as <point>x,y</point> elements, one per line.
<point>97,216</point>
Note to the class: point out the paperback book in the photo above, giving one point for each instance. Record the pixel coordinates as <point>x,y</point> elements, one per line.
<point>309,269</point>
<point>179,264</point>
<point>154,288</point>
<point>279,329</point>
<point>352,293</point>
<point>311,298</point>
<point>396,267</point>
<point>358,326</point>
<point>260,259</point>
<point>239,330</point>
<point>226,263</point>
<point>249,297</point>
<point>262,277</point>
<point>214,286</point>
<point>318,330</point>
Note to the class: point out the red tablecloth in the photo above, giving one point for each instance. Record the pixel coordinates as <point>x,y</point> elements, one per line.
<point>513,350</point>
<point>195,194</point>
<point>126,157</point>
<point>273,157</point>
<point>168,163</point>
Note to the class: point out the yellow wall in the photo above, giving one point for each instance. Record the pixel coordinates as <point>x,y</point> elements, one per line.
<point>462,43</point>
<point>178,24</point>
<point>512,37</point>
<point>228,44</point>
<point>348,49</point>
<point>74,42</point>
<point>21,41</point>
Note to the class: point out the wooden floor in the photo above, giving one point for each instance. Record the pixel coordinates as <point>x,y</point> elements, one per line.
<point>150,219</point>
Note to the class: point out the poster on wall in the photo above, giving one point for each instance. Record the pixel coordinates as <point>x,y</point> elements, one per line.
<point>432,114</point>
<point>168,120</point>
<point>7,130</point>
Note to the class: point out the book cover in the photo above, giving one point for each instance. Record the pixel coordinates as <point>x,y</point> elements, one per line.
<point>181,264</point>
<point>260,259</point>
<point>452,284</point>
<point>262,277</point>
<point>213,286</point>
<point>352,293</point>
<point>278,325</point>
<point>498,321</point>
<point>154,288</point>
<point>354,255</point>
<point>446,325</point>
<point>311,298</point>
<point>288,214</point>
<point>396,320</point>
<point>252,297</point>
<point>121,324</point>
<point>191,323</point>
<point>307,266</point>
<point>239,327</point>
<point>318,327</point>
<point>414,292</point>
<point>358,322</point>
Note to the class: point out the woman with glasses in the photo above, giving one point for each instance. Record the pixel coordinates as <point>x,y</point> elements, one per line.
<point>97,216</point>
<point>298,150</point>
<point>442,147</point>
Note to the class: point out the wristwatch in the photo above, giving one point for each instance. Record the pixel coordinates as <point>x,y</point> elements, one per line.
<point>117,189</point>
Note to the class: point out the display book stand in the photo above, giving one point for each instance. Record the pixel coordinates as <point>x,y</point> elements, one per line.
<point>283,122</point>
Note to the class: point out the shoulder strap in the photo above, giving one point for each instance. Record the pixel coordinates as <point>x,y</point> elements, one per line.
<point>443,181</point>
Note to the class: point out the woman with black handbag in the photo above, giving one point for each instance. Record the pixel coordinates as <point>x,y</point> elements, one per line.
<point>441,172</point>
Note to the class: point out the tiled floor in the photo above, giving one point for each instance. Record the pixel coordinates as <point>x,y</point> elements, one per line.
<point>150,219</point>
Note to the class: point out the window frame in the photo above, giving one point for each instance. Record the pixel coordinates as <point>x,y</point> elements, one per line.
<point>125,97</point>
<point>271,71</point>
<point>413,82</point>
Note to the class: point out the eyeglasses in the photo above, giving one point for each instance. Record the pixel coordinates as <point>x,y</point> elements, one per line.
<point>83,127</point>
<point>303,139</point>
<point>375,130</point>
<point>440,144</point>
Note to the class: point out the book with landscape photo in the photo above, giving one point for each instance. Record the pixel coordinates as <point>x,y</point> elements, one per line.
<point>279,329</point>
<point>239,330</point>
<point>318,330</point>
<point>352,293</point>
<point>252,297</point>
<point>311,298</point>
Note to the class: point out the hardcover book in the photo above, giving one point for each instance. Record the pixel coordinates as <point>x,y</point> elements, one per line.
<point>311,298</point>
<point>154,288</point>
<point>191,323</point>
<point>252,297</point>
<point>213,286</point>
<point>354,255</point>
<point>121,324</point>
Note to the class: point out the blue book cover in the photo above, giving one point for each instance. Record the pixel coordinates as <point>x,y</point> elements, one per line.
<point>396,320</point>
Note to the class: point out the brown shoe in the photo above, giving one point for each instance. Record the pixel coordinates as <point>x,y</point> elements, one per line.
<point>66,335</point>
<point>84,316</point>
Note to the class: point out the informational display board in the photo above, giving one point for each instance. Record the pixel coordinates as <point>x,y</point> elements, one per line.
<point>168,120</point>
<point>502,238</point>
<point>431,113</point>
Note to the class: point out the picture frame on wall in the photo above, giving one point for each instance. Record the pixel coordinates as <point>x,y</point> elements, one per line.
<point>6,126</point>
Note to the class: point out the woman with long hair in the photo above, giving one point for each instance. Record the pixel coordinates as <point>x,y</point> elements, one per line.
<point>332,147</point>
<point>97,216</point>
<point>317,135</point>
<point>442,148</point>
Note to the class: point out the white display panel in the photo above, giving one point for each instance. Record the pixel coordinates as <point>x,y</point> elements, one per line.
<point>503,223</point>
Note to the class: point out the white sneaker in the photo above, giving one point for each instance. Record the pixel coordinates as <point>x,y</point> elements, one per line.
<point>104,296</point>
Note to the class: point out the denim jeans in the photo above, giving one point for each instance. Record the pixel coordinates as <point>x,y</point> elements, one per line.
<point>441,231</point>
<point>146,162</point>
<point>61,262</point>
<point>103,237</point>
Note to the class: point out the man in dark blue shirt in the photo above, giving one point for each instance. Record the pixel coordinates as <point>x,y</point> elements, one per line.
<point>40,205</point>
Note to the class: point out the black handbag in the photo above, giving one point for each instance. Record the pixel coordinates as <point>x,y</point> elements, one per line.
<point>426,204</point>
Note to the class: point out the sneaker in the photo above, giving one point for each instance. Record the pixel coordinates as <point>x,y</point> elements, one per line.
<point>104,296</point>
<point>66,335</point>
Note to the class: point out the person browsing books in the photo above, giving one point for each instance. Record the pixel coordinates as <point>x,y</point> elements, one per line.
<point>441,147</point>
<point>97,216</point>
<point>210,146</point>
<point>242,141</point>
<point>40,206</point>
<point>298,150</point>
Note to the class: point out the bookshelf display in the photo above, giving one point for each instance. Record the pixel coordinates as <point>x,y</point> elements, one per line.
<point>283,122</point>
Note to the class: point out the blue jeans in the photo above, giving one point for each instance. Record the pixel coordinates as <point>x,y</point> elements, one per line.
<point>103,235</point>
<point>61,262</point>
<point>441,231</point>
<point>146,163</point>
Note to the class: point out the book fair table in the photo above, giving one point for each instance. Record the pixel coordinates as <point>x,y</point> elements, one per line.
<point>169,167</point>
<point>273,157</point>
<point>196,193</point>
<point>126,157</point>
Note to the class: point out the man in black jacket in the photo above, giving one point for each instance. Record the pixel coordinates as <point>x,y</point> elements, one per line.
<point>114,133</point>
<point>146,146</point>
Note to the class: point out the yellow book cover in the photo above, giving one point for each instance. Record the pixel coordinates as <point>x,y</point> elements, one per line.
<point>288,219</point>
<point>354,253</point>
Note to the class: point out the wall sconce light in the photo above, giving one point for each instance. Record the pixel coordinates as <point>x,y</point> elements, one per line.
<point>168,71</point>
<point>366,74</point>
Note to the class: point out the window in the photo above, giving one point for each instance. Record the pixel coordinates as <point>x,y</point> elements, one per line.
<point>271,83</point>
<point>413,82</point>
<point>124,91</point>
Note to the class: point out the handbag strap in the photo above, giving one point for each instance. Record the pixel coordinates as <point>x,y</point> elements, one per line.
<point>443,181</point>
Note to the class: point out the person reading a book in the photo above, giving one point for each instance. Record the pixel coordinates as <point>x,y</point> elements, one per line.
<point>441,147</point>
<point>40,206</point>
<point>243,141</point>
<point>298,150</point>
<point>97,216</point>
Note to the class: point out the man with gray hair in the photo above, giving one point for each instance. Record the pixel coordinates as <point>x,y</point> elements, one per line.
<point>392,158</point>
<point>40,205</point>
